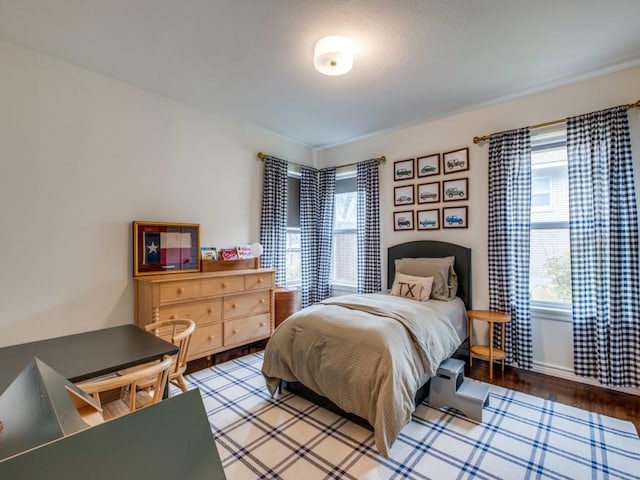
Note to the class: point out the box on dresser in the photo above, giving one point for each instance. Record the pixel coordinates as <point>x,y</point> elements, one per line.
<point>230,308</point>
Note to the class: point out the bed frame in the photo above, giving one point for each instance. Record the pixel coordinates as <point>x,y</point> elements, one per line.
<point>416,249</point>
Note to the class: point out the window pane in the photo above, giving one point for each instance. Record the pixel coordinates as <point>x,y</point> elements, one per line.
<point>550,270</point>
<point>344,260</point>
<point>294,257</point>
<point>346,211</point>
<point>550,257</point>
<point>345,267</point>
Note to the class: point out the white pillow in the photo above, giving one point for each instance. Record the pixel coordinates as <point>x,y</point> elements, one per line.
<point>408,286</point>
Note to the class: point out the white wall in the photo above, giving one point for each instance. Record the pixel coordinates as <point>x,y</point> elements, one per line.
<point>553,340</point>
<point>81,156</point>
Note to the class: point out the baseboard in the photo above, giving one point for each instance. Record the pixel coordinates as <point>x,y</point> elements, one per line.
<point>567,374</point>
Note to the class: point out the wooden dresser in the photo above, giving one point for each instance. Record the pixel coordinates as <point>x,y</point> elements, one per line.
<point>230,308</point>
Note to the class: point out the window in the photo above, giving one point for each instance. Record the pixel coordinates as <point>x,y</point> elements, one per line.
<point>344,267</point>
<point>550,258</point>
<point>294,256</point>
<point>344,260</point>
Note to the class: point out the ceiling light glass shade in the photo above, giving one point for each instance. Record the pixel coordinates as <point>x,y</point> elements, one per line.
<point>333,55</point>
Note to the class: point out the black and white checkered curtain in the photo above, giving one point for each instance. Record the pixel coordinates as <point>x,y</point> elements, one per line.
<point>317,199</point>
<point>605,274</point>
<point>368,218</point>
<point>273,221</point>
<point>326,207</point>
<point>509,222</point>
<point>308,234</point>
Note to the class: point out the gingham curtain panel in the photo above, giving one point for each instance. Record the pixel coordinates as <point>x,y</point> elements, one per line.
<point>368,226</point>
<point>317,200</point>
<point>605,274</point>
<point>326,207</point>
<point>509,225</point>
<point>273,220</point>
<point>308,234</point>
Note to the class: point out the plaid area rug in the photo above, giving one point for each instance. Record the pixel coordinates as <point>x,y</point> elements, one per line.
<point>522,437</point>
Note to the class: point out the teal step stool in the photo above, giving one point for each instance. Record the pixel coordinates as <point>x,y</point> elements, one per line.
<point>449,388</point>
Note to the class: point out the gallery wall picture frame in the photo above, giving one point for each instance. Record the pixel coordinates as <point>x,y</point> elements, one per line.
<point>404,195</point>
<point>455,217</point>
<point>163,248</point>
<point>403,170</point>
<point>455,161</point>
<point>428,219</point>
<point>403,220</point>
<point>455,190</point>
<point>428,165</point>
<point>428,192</point>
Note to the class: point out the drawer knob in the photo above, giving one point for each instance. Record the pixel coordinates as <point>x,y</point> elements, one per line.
<point>234,331</point>
<point>212,337</point>
<point>173,317</point>
<point>259,280</point>
<point>262,324</point>
<point>233,305</point>
<point>262,300</point>
<point>180,290</point>
<point>223,285</point>
<point>209,310</point>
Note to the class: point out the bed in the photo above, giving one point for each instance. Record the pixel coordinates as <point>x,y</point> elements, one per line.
<point>370,357</point>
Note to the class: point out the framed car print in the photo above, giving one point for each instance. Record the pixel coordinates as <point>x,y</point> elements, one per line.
<point>428,192</point>
<point>455,161</point>
<point>453,190</point>
<point>403,220</point>
<point>428,165</point>
<point>403,170</point>
<point>403,195</point>
<point>428,219</point>
<point>160,247</point>
<point>454,217</point>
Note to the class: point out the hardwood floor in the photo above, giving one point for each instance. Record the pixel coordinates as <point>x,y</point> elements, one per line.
<point>596,399</point>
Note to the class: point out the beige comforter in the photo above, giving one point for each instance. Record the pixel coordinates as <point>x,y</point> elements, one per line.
<point>365,353</point>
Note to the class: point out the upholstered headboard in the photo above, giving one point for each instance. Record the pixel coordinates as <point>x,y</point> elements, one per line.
<point>429,248</point>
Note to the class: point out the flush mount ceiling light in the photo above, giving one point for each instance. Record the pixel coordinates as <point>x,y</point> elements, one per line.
<point>333,55</point>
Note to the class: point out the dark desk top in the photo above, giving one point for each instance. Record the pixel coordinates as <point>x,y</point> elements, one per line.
<point>86,355</point>
<point>171,439</point>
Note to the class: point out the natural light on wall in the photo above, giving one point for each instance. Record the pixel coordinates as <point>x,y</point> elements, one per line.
<point>333,55</point>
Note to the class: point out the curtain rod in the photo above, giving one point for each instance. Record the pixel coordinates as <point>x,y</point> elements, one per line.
<point>380,160</point>
<point>484,138</point>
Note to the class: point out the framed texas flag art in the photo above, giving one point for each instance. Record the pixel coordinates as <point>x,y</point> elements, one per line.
<point>160,247</point>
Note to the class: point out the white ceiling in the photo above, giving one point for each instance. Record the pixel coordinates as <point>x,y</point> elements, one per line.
<point>251,60</point>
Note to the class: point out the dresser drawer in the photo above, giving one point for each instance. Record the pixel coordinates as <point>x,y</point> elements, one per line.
<point>179,291</point>
<point>258,281</point>
<point>244,330</point>
<point>205,339</point>
<point>246,304</point>
<point>205,311</point>
<point>222,285</point>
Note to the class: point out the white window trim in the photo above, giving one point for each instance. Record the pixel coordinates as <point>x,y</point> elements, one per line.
<point>550,311</point>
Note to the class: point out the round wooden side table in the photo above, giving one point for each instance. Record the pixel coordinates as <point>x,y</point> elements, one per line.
<point>488,351</point>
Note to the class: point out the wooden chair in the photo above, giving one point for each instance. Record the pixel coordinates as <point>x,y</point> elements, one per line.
<point>130,398</point>
<point>179,333</point>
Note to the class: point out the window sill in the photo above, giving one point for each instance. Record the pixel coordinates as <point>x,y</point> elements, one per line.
<point>556,314</point>
<point>340,287</point>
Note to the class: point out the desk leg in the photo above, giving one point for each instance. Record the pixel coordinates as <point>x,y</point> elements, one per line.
<point>491,350</point>
<point>470,341</point>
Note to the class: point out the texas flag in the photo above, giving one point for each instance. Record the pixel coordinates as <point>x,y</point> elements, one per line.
<point>170,249</point>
